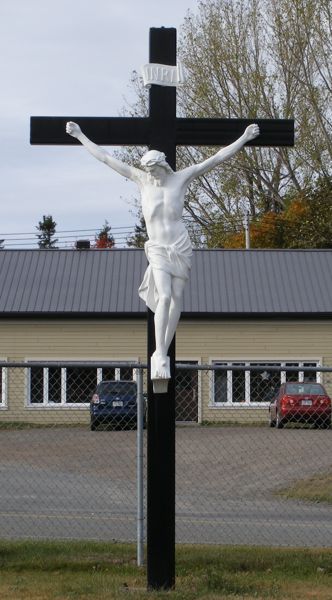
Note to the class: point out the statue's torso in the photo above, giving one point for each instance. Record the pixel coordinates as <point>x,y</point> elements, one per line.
<point>162,207</point>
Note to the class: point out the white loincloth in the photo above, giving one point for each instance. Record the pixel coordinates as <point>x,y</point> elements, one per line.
<point>174,259</point>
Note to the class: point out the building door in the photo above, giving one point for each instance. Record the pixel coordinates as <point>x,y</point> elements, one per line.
<point>186,394</point>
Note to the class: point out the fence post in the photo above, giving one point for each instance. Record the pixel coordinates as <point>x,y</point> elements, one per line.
<point>140,503</point>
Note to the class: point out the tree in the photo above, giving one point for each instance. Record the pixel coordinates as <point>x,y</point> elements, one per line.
<point>306,222</point>
<point>104,239</point>
<point>265,232</point>
<point>47,228</point>
<point>308,218</point>
<point>258,58</point>
<point>140,236</point>
<point>254,58</point>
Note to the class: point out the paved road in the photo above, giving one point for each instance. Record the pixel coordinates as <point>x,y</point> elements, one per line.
<point>77,484</point>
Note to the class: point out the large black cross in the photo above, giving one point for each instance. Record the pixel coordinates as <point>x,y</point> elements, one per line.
<point>163,131</point>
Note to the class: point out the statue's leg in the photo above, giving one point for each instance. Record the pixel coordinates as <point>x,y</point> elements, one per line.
<point>163,283</point>
<point>175,309</point>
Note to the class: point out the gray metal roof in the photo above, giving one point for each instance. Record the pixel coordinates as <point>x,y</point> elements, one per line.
<point>243,283</point>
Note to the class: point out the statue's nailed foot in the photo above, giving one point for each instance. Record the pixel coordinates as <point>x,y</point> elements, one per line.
<point>160,368</point>
<point>160,373</point>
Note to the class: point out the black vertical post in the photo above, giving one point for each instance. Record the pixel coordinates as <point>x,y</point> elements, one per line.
<point>161,407</point>
<point>162,100</point>
<point>161,478</point>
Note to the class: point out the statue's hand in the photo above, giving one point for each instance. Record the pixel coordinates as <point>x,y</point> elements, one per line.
<point>73,129</point>
<point>252,132</point>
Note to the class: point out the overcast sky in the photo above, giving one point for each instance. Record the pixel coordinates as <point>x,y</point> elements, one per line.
<point>69,57</point>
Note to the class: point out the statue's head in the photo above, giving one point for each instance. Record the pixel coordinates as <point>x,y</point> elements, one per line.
<point>155,158</point>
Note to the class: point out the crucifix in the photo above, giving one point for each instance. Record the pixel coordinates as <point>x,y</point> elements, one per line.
<point>161,131</point>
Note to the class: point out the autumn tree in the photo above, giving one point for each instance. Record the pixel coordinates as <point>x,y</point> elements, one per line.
<point>308,218</point>
<point>104,239</point>
<point>254,59</point>
<point>306,222</point>
<point>47,229</point>
<point>258,59</point>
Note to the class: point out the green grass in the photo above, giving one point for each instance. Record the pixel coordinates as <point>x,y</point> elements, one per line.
<point>317,488</point>
<point>96,571</point>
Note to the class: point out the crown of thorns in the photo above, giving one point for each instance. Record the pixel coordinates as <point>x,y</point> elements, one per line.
<point>154,157</point>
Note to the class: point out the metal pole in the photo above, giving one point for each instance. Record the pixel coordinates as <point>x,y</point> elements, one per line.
<point>140,503</point>
<point>247,230</point>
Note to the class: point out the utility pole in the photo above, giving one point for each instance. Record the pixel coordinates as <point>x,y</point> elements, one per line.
<point>246,223</point>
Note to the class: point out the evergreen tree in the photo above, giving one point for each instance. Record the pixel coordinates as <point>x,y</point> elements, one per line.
<point>47,231</point>
<point>140,236</point>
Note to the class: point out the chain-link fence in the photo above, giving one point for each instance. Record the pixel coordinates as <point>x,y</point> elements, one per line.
<point>253,452</point>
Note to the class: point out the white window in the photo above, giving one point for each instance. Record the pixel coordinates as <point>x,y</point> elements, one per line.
<point>63,386</point>
<point>3,387</point>
<point>235,385</point>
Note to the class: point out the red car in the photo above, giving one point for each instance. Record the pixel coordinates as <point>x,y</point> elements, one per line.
<point>301,403</point>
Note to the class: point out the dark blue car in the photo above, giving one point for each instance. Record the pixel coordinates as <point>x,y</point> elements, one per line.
<point>114,403</point>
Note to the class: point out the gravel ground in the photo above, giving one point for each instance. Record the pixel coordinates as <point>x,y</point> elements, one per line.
<point>73,483</point>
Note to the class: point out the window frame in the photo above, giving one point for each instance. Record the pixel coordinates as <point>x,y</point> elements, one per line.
<point>4,386</point>
<point>46,403</point>
<point>247,379</point>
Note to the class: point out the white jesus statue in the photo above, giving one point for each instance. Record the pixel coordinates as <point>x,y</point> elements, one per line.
<point>168,248</point>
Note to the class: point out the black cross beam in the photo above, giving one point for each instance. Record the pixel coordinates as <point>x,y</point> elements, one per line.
<point>125,131</point>
<point>163,131</point>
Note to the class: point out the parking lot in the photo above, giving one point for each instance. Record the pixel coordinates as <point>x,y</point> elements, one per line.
<point>63,483</point>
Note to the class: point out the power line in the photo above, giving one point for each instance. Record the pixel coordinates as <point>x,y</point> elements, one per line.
<point>61,237</point>
<point>92,229</point>
<point>66,238</point>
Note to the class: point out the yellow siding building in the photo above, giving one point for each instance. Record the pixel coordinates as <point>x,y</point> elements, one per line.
<point>241,309</point>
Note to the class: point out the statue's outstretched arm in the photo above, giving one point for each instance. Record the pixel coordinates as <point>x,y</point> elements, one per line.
<point>213,161</point>
<point>126,170</point>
